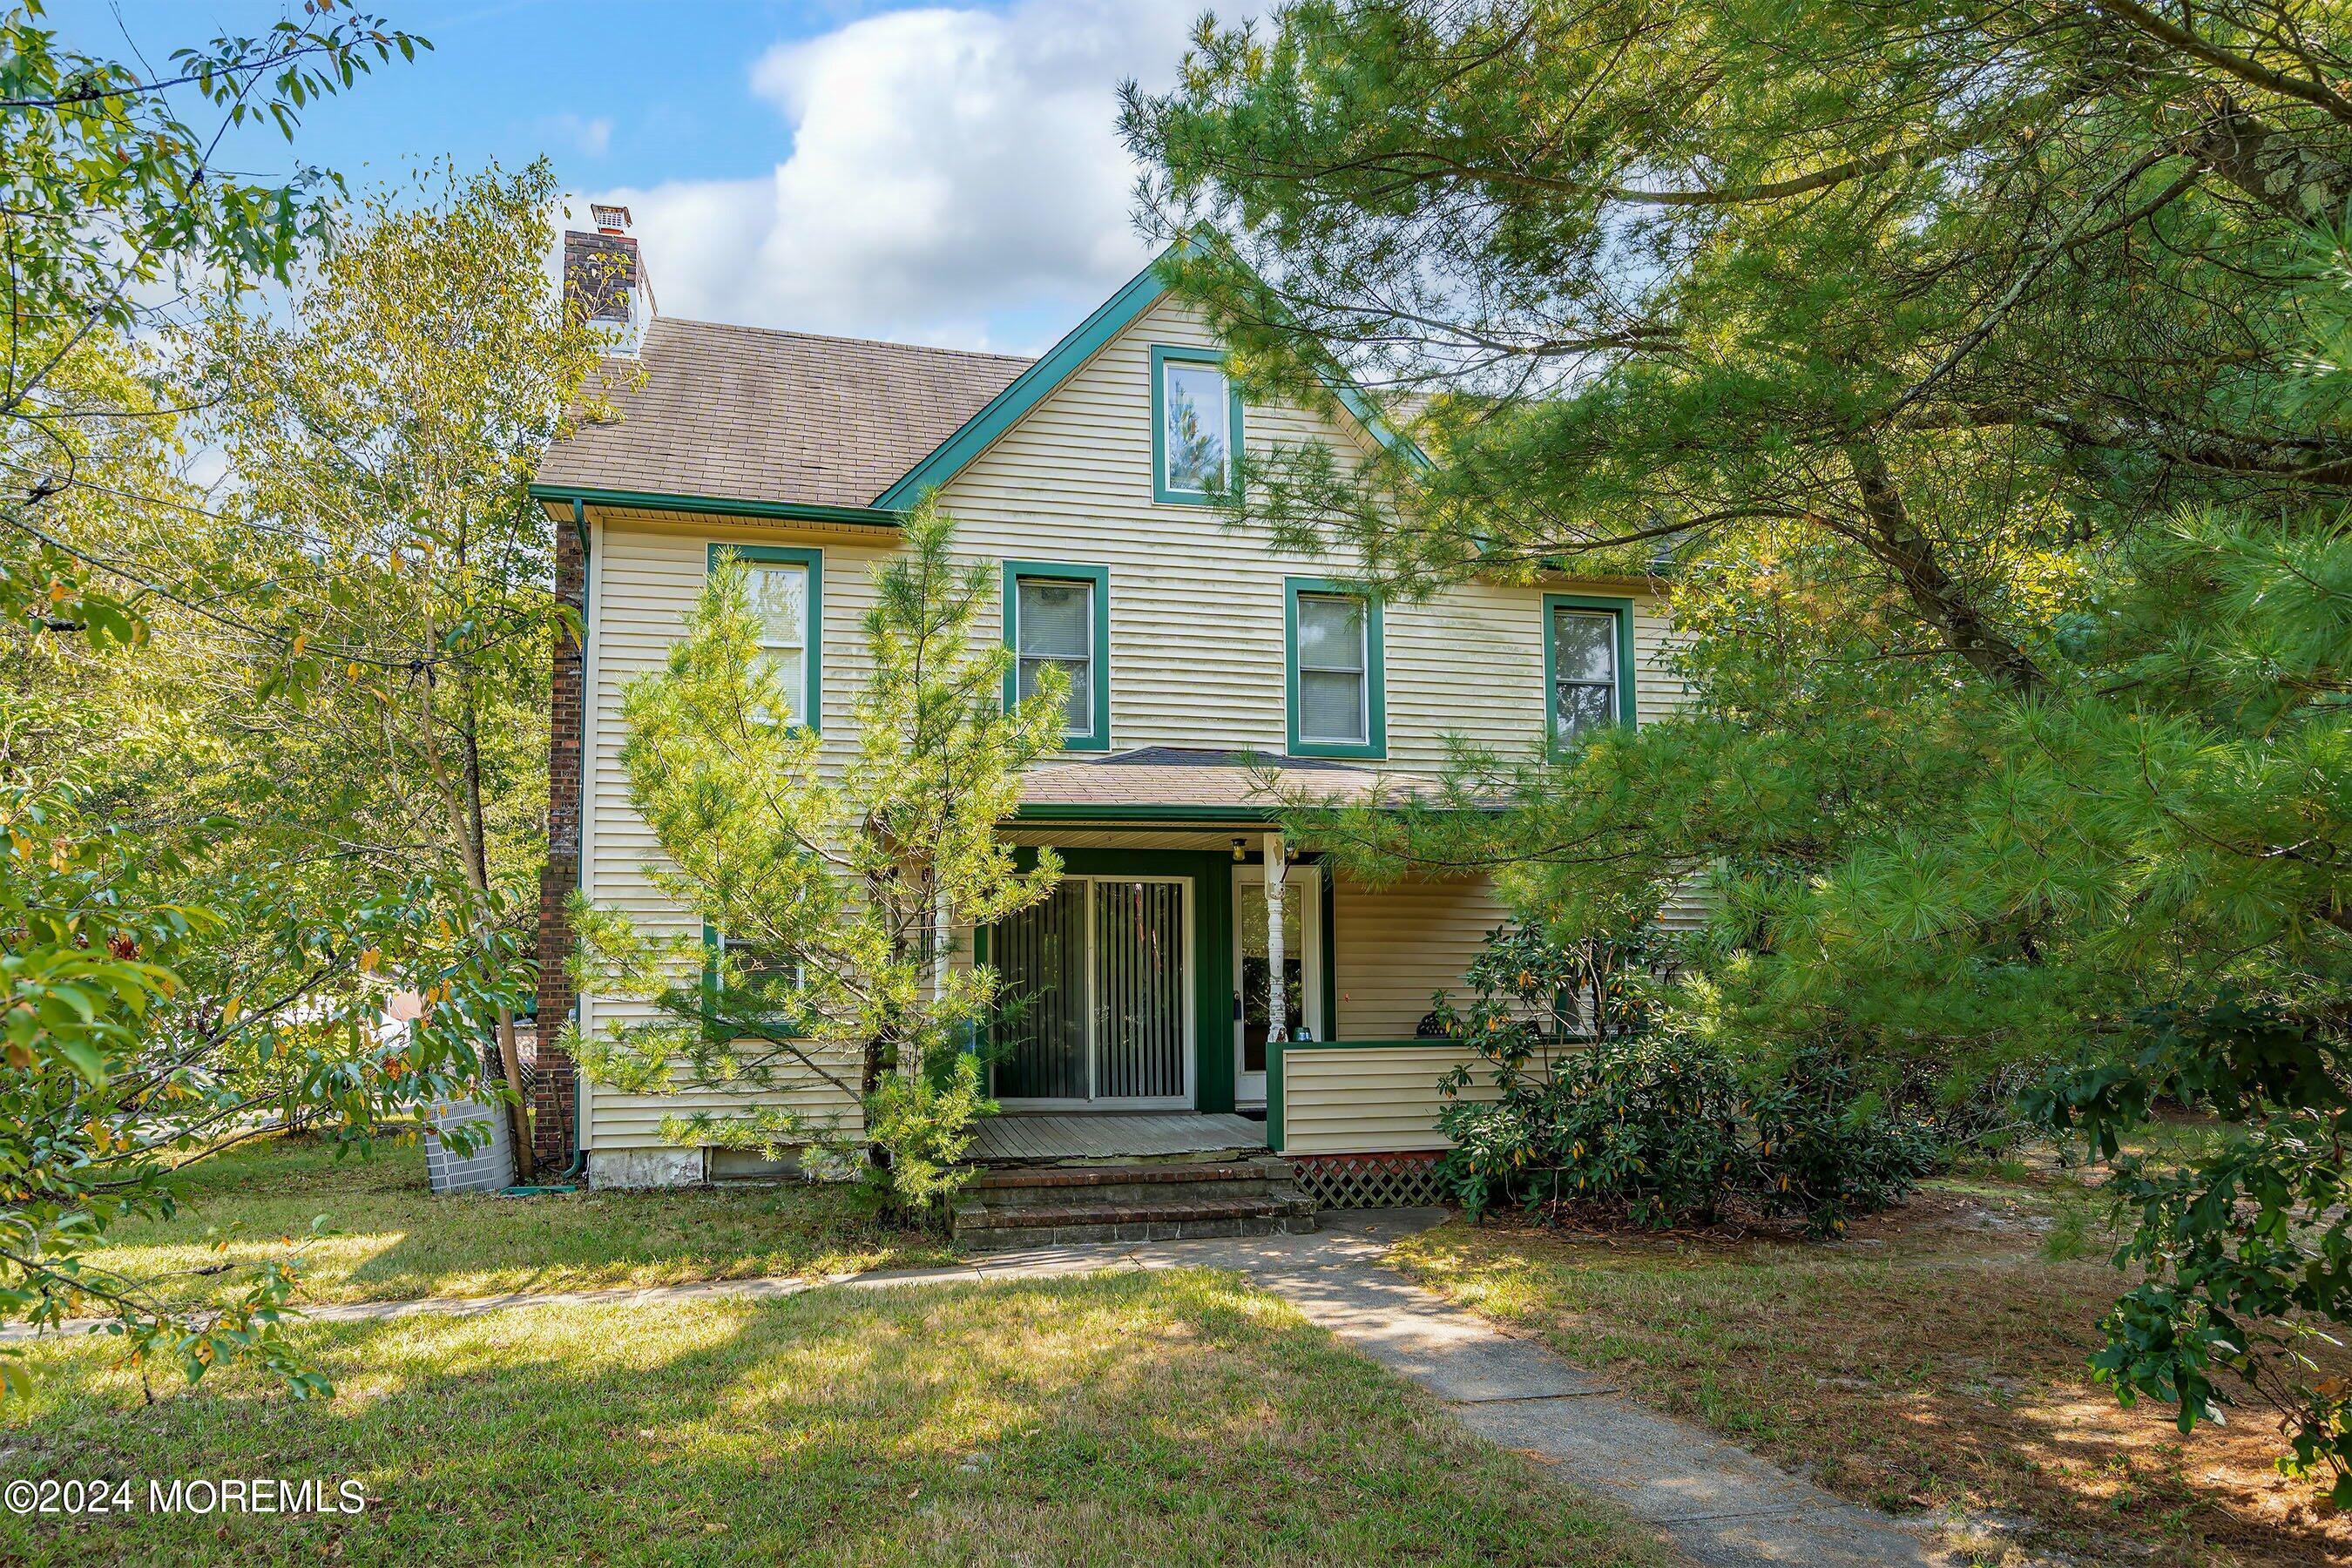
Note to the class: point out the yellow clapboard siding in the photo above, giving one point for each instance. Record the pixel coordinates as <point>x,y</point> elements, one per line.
<point>1375,1099</point>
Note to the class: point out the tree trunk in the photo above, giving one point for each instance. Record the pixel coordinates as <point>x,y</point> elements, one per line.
<point>2295,182</point>
<point>1894,541</point>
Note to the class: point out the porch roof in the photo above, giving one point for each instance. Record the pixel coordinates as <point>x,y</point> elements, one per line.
<point>1162,783</point>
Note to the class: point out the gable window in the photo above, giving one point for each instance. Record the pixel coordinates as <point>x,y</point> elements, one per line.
<point>1588,660</point>
<point>1196,424</point>
<point>1335,678</point>
<point>785,588</point>
<point>1058,617</point>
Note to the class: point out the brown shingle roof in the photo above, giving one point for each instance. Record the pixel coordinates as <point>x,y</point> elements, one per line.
<point>1179,777</point>
<point>750,414</point>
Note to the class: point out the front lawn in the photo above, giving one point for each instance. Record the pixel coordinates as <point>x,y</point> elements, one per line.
<point>398,1240</point>
<point>1178,1417</point>
<point>1932,1359</point>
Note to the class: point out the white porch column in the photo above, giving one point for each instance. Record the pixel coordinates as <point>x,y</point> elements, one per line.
<point>940,942</point>
<point>1278,995</point>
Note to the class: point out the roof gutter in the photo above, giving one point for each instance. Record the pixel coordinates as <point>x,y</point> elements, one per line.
<point>721,506</point>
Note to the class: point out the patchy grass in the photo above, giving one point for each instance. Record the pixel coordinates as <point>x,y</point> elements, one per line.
<point>1934,1359</point>
<point>1181,1417</point>
<point>398,1240</point>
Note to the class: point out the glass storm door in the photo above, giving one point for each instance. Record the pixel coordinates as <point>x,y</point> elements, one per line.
<point>1098,985</point>
<point>1302,967</point>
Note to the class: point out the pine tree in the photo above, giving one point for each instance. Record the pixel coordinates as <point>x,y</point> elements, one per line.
<point>831,891</point>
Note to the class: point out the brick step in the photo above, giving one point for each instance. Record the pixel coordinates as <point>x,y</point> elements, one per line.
<point>1239,1205</point>
<point>1131,1186</point>
<point>987,1228</point>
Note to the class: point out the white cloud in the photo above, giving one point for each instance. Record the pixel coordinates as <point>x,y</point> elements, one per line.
<point>948,169</point>
<point>589,136</point>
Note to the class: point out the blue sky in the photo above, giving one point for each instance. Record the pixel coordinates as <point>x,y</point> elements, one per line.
<point>944,173</point>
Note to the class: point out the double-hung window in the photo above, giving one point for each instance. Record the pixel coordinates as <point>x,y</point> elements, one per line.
<point>1196,425</point>
<point>1337,704</point>
<point>1057,617</point>
<point>756,974</point>
<point>785,588</point>
<point>1588,647</point>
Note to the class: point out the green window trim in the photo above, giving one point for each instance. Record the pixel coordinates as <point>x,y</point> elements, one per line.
<point>1162,355</point>
<point>1375,744</point>
<point>813,642</point>
<point>1097,737</point>
<point>1627,711</point>
<point>713,946</point>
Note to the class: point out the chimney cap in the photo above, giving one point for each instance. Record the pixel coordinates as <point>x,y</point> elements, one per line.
<point>610,219</point>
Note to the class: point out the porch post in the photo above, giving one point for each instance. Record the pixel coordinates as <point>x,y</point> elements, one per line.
<point>1277,996</point>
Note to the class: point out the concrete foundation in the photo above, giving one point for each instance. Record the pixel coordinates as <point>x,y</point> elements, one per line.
<point>626,1168</point>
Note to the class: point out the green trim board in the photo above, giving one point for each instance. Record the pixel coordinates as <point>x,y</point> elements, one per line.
<point>1212,947</point>
<point>1163,356</point>
<point>1098,738</point>
<point>792,556</point>
<point>1375,744</point>
<point>710,951</point>
<point>1055,814</point>
<point>1628,708</point>
<point>651,500</point>
<point>1218,815</point>
<point>1330,1020</point>
<point>1032,387</point>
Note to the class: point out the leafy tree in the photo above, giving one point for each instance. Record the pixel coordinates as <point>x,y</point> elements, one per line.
<point>173,971</point>
<point>837,885</point>
<point>385,436</point>
<point>114,200</point>
<point>1973,375</point>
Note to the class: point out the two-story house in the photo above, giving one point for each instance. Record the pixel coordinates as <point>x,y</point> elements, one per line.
<point>1168,953</point>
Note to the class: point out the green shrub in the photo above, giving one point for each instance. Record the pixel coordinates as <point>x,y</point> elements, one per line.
<point>1825,1150</point>
<point>1647,1120</point>
<point>1639,1123</point>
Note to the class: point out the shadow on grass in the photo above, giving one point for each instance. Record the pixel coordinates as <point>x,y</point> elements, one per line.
<point>1175,1418</point>
<point>1937,1360</point>
<point>398,1240</point>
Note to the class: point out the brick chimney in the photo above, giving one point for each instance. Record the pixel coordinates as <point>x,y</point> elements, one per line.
<point>604,275</point>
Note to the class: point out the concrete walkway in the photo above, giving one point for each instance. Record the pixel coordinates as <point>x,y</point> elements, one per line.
<point>1717,1502</point>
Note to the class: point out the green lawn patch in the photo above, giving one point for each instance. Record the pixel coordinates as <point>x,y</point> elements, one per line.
<point>398,1240</point>
<point>1130,1418</point>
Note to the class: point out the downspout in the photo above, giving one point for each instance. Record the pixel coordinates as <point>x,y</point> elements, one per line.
<point>576,1167</point>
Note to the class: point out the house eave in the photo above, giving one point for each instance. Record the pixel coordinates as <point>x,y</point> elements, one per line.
<point>721,506</point>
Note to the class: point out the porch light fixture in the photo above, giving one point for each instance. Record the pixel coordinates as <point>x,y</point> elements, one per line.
<point>1241,850</point>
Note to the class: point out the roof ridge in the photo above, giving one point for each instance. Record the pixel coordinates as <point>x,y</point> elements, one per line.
<point>836,337</point>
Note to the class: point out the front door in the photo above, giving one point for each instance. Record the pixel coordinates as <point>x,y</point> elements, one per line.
<point>1097,984</point>
<point>1302,967</point>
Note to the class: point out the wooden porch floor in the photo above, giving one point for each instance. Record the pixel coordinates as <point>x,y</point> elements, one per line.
<point>1023,1138</point>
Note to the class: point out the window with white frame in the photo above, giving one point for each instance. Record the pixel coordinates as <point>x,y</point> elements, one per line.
<point>1334,670</point>
<point>1584,671</point>
<point>1054,619</point>
<point>780,602</point>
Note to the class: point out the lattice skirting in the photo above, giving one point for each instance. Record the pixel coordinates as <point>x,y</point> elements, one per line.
<point>1370,1180</point>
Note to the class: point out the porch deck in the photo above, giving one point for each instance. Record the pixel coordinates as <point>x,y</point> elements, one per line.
<point>1034,1137</point>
